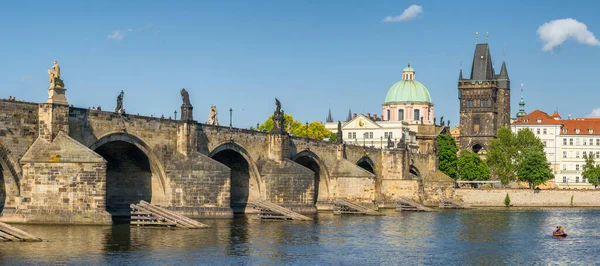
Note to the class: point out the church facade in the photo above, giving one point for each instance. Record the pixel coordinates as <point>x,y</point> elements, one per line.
<point>484,101</point>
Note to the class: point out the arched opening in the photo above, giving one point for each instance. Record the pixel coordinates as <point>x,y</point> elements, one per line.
<point>129,176</point>
<point>240,178</point>
<point>2,190</point>
<point>413,171</point>
<point>477,148</point>
<point>311,164</point>
<point>367,164</point>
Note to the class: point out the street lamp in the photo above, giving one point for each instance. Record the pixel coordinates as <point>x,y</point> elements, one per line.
<point>306,130</point>
<point>381,143</point>
<point>175,116</point>
<point>230,117</point>
<point>257,125</point>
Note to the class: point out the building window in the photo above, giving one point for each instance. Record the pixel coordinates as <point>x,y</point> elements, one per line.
<point>388,115</point>
<point>577,130</point>
<point>417,114</point>
<point>597,154</point>
<point>576,179</point>
<point>387,135</point>
<point>577,154</point>
<point>564,166</point>
<point>564,154</point>
<point>544,143</point>
<point>350,135</point>
<point>591,142</point>
<point>400,114</point>
<point>591,131</point>
<point>597,142</point>
<point>539,121</point>
<point>564,179</point>
<point>545,132</point>
<point>469,103</point>
<point>577,142</point>
<point>537,131</point>
<point>571,142</point>
<point>584,154</point>
<point>564,142</point>
<point>370,135</point>
<point>584,142</point>
<point>576,167</point>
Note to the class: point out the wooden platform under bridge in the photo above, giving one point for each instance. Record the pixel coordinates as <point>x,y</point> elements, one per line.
<point>407,205</point>
<point>344,206</point>
<point>272,211</point>
<point>11,233</point>
<point>146,214</point>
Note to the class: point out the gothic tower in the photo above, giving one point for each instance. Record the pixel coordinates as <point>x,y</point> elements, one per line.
<point>484,101</point>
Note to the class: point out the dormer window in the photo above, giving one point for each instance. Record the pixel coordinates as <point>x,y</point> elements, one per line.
<point>526,120</point>
<point>564,131</point>
<point>591,131</point>
<point>539,121</point>
<point>577,130</point>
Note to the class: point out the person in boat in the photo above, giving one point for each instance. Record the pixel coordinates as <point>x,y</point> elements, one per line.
<point>559,230</point>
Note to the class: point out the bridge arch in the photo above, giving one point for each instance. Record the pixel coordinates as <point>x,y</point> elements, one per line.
<point>133,172</point>
<point>10,172</point>
<point>310,160</point>
<point>366,163</point>
<point>246,184</point>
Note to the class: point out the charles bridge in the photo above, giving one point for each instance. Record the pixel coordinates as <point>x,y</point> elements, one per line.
<point>63,164</point>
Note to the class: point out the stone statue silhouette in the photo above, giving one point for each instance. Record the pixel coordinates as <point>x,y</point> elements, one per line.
<point>119,108</point>
<point>185,97</point>
<point>449,123</point>
<point>278,119</point>
<point>421,120</point>
<point>434,121</point>
<point>442,121</point>
<point>54,76</point>
<point>339,135</point>
<point>390,143</point>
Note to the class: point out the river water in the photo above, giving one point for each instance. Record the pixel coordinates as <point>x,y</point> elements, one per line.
<point>496,236</point>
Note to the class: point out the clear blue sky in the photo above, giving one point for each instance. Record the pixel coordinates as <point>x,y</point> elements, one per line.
<point>310,54</point>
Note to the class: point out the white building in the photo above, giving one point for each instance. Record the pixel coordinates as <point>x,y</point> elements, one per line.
<point>566,144</point>
<point>406,108</point>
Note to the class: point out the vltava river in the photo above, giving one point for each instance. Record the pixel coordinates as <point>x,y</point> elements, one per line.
<point>458,237</point>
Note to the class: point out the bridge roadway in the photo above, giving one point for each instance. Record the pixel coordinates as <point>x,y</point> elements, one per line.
<point>61,164</point>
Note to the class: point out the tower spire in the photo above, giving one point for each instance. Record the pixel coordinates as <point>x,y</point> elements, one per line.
<point>521,112</point>
<point>460,77</point>
<point>349,117</point>
<point>329,117</point>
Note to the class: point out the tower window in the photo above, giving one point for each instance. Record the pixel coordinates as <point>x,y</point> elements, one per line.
<point>417,114</point>
<point>469,103</point>
<point>388,115</point>
<point>400,114</point>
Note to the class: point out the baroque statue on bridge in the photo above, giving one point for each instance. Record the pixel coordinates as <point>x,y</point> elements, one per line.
<point>339,136</point>
<point>390,143</point>
<point>213,116</point>
<point>54,76</point>
<point>119,108</point>
<point>186,106</point>
<point>278,119</point>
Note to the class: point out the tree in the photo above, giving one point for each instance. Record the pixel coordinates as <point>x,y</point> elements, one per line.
<point>591,171</point>
<point>316,129</point>
<point>471,167</point>
<point>534,169</point>
<point>508,151</point>
<point>447,155</point>
<point>502,156</point>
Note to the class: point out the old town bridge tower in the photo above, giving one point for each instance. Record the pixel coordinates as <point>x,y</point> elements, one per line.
<point>484,101</point>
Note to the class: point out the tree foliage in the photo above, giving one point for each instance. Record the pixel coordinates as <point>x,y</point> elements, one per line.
<point>447,155</point>
<point>591,171</point>
<point>316,129</point>
<point>534,169</point>
<point>507,153</point>
<point>471,167</point>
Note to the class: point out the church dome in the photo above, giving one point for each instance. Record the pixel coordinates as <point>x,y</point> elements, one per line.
<point>408,90</point>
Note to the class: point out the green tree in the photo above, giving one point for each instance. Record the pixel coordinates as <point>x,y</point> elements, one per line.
<point>502,156</point>
<point>447,155</point>
<point>534,168</point>
<point>471,167</point>
<point>316,129</point>
<point>508,151</point>
<point>591,171</point>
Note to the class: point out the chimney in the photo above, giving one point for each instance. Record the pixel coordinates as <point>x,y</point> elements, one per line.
<point>375,117</point>
<point>354,115</point>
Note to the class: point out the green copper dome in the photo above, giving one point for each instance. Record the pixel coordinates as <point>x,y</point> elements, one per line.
<point>408,90</point>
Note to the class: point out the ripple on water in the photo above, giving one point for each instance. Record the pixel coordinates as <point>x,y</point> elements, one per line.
<point>493,236</point>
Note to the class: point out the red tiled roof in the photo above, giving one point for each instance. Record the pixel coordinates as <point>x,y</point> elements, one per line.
<point>568,126</point>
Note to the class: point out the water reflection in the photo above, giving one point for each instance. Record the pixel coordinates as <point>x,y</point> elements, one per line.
<point>455,237</point>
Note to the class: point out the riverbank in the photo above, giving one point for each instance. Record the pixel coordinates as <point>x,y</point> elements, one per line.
<point>528,197</point>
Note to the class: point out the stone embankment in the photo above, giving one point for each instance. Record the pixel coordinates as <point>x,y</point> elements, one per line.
<point>528,197</point>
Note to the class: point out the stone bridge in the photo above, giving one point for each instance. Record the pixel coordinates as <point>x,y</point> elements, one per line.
<point>62,164</point>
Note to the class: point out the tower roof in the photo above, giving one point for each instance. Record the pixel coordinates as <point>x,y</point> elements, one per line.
<point>482,68</point>
<point>408,90</point>
<point>503,72</point>
<point>329,117</point>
